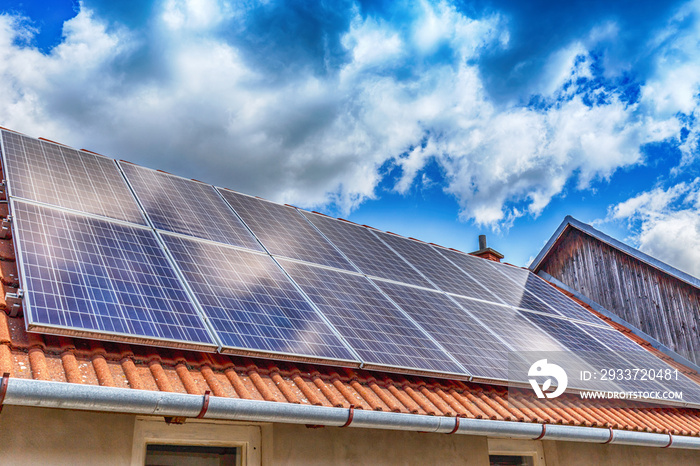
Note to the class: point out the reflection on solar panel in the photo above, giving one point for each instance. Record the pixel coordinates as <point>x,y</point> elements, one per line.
<point>523,336</point>
<point>440,271</point>
<point>251,303</point>
<point>90,277</point>
<point>187,207</point>
<point>364,250</point>
<point>368,321</point>
<point>496,283</point>
<point>524,279</point>
<point>461,335</point>
<point>640,358</point>
<point>64,177</point>
<point>595,355</point>
<point>511,326</point>
<point>284,232</point>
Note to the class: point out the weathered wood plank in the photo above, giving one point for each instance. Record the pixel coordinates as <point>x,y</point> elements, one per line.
<point>659,304</point>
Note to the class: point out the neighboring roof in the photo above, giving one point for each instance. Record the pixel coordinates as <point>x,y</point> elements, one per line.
<point>570,222</point>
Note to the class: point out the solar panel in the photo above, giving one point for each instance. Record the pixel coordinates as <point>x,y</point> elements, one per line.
<point>284,232</point>
<point>251,303</point>
<point>596,355</point>
<point>188,207</point>
<point>378,332</point>
<point>88,277</point>
<point>64,177</point>
<point>440,271</point>
<point>461,335</point>
<point>364,250</point>
<point>638,357</point>
<point>524,338</point>
<point>546,293</point>
<point>498,285</point>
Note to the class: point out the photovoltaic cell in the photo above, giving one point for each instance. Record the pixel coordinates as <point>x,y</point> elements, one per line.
<point>368,321</point>
<point>511,326</point>
<point>433,265</point>
<point>366,251</point>
<point>85,276</point>
<point>188,207</point>
<point>284,232</point>
<point>64,177</point>
<point>251,303</point>
<point>537,287</point>
<point>461,335</point>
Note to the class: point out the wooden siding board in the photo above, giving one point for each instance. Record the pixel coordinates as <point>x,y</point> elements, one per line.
<point>661,305</point>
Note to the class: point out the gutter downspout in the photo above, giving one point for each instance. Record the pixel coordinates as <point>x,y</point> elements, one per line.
<point>43,394</point>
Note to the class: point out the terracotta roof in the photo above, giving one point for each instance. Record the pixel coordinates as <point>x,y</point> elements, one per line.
<point>61,359</point>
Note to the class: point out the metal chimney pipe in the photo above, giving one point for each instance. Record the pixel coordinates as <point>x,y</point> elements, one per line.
<point>482,242</point>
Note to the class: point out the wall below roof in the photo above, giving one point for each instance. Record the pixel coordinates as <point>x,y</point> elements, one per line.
<point>653,301</point>
<point>569,453</point>
<point>63,437</point>
<point>297,445</point>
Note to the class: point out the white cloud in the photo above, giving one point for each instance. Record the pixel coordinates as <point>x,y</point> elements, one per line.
<point>190,102</point>
<point>667,224</point>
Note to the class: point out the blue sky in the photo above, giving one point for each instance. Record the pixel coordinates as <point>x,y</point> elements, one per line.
<point>437,120</point>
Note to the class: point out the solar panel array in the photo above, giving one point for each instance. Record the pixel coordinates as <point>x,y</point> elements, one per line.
<point>117,251</point>
<point>366,251</point>
<point>374,327</point>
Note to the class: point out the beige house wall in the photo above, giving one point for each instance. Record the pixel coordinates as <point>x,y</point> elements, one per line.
<point>297,445</point>
<point>61,437</point>
<point>571,453</point>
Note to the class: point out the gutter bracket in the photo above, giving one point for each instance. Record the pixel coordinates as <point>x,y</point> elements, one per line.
<point>544,431</point>
<point>612,435</point>
<point>205,405</point>
<point>178,420</point>
<point>351,415</point>
<point>3,388</point>
<point>454,431</point>
<point>670,440</point>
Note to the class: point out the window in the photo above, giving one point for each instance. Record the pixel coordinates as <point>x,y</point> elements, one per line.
<point>182,455</point>
<point>511,460</point>
<point>509,452</point>
<point>196,443</point>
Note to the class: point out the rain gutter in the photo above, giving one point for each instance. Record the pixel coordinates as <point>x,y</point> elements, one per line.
<point>44,394</point>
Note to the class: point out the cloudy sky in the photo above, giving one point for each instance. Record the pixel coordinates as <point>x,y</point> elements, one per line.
<point>437,120</point>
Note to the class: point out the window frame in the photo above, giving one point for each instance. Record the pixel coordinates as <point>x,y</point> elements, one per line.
<point>515,447</point>
<point>202,433</point>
